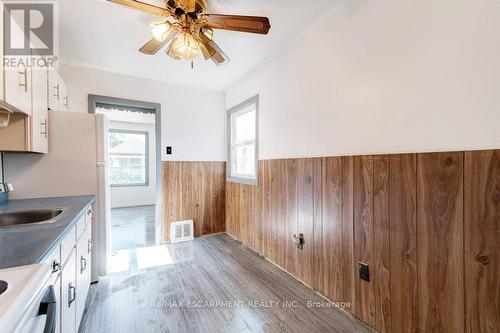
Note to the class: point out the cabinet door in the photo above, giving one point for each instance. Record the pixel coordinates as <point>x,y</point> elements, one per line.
<point>83,272</point>
<point>54,90</point>
<point>88,216</point>
<point>39,115</point>
<point>68,295</point>
<point>54,260</point>
<point>18,88</point>
<point>63,100</point>
<point>57,292</point>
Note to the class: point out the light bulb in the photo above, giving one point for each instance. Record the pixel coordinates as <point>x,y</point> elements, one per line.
<point>185,46</point>
<point>160,30</point>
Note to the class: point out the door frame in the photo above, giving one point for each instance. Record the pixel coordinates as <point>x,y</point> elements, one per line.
<point>154,108</point>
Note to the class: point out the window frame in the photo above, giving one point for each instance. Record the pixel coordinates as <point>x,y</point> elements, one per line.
<point>146,164</point>
<point>229,145</point>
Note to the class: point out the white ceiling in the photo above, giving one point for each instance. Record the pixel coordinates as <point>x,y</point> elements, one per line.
<point>103,35</point>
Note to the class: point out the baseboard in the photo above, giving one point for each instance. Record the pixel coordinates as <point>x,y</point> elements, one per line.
<point>132,205</point>
<point>346,312</point>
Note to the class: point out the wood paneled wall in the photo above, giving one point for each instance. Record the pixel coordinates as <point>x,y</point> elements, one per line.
<point>428,226</point>
<point>482,241</point>
<point>194,191</point>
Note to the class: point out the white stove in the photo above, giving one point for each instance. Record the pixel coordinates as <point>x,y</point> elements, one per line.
<point>26,288</point>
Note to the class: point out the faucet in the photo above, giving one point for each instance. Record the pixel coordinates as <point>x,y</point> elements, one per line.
<point>6,188</point>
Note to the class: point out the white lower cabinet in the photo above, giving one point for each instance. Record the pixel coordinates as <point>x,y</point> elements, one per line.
<point>57,292</point>
<point>73,283</point>
<point>68,295</point>
<point>83,251</point>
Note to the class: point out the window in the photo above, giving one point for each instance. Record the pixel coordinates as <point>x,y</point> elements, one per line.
<point>128,158</point>
<point>242,142</point>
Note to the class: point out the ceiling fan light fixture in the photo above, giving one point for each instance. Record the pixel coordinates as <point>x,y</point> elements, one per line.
<point>184,46</point>
<point>189,31</point>
<point>160,30</point>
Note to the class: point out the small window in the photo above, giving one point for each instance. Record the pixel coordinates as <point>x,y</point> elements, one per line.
<point>242,142</point>
<point>128,158</point>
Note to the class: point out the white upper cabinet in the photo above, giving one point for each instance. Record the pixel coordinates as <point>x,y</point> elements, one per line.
<point>18,88</point>
<point>30,93</point>
<point>28,131</point>
<point>39,119</point>
<point>57,94</point>
<point>53,90</point>
<point>63,102</point>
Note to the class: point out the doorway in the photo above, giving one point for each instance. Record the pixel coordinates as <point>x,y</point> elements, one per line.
<point>133,159</point>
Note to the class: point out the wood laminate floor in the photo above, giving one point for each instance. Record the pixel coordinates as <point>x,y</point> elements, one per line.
<point>132,227</point>
<point>212,284</point>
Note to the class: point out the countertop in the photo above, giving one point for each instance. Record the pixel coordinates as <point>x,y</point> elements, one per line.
<point>31,244</point>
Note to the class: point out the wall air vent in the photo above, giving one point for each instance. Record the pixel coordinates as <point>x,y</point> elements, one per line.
<point>181,231</point>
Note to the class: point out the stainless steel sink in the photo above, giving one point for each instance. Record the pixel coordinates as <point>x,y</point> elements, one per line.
<point>35,216</point>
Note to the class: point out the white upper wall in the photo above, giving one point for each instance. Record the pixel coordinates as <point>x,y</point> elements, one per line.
<point>192,119</point>
<point>383,77</point>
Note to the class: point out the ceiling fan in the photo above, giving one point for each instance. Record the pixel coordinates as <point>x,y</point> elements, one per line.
<point>188,31</point>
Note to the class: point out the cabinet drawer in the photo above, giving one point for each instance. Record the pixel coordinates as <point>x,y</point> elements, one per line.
<point>67,245</point>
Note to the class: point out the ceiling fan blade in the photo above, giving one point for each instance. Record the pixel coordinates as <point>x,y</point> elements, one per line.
<point>154,45</point>
<point>251,24</point>
<point>207,51</point>
<point>145,7</point>
<point>212,51</point>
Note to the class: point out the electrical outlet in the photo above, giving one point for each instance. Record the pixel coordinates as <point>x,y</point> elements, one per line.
<point>298,239</point>
<point>364,271</point>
